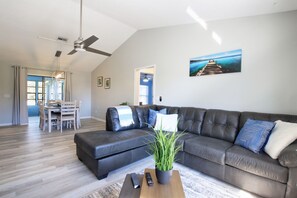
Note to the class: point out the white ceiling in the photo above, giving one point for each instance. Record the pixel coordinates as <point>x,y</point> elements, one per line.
<point>113,21</point>
<point>143,14</point>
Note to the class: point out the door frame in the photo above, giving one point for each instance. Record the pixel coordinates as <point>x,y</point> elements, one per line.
<point>137,72</point>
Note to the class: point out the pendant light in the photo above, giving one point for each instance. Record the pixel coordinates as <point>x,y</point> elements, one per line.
<point>145,79</point>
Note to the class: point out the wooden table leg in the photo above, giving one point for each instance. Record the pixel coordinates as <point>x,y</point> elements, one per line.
<point>49,121</point>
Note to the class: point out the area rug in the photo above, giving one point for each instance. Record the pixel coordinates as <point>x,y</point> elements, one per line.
<point>195,185</point>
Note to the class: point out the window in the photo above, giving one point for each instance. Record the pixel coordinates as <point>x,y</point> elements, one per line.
<point>54,89</point>
<point>143,94</point>
<point>40,93</point>
<point>31,93</point>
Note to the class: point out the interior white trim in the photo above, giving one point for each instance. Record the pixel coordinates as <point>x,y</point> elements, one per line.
<point>137,81</point>
<point>6,124</point>
<point>86,117</point>
<point>99,119</point>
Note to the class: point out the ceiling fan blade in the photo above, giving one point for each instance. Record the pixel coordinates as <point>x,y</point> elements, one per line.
<point>89,41</point>
<point>72,52</point>
<point>97,51</point>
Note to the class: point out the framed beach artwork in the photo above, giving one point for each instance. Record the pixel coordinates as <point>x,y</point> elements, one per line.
<point>107,83</point>
<point>99,81</point>
<point>220,63</point>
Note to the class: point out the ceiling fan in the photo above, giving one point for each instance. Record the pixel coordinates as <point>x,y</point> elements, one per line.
<point>83,45</point>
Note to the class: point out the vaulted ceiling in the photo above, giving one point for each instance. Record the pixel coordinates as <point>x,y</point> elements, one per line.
<point>24,25</point>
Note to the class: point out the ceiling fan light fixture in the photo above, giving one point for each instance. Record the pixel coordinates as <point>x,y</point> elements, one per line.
<point>79,49</point>
<point>81,45</point>
<point>59,75</point>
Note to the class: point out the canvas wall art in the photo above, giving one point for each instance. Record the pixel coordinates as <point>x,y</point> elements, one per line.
<point>220,63</point>
<point>107,83</point>
<point>99,81</point>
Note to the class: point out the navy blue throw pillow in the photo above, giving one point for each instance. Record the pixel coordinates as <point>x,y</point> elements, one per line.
<point>153,116</point>
<point>254,135</point>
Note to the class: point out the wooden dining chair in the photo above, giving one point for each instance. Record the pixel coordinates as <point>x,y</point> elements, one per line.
<point>43,121</point>
<point>51,102</point>
<point>78,106</point>
<point>67,114</point>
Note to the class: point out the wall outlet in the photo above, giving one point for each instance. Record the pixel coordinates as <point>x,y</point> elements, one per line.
<point>6,95</point>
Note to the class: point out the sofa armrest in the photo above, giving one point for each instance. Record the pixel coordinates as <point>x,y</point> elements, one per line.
<point>288,156</point>
<point>113,122</point>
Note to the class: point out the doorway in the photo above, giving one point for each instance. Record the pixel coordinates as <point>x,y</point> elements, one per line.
<point>144,85</point>
<point>42,89</point>
<point>35,93</point>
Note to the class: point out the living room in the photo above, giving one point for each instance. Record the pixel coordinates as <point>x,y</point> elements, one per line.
<point>160,34</point>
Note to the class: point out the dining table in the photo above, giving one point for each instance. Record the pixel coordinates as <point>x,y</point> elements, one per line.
<point>55,108</point>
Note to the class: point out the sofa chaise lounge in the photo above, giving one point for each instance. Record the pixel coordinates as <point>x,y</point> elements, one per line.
<point>207,146</point>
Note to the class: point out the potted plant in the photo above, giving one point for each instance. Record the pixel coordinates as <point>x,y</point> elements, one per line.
<point>164,149</point>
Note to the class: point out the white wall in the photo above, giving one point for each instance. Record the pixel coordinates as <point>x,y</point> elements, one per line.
<point>267,82</point>
<point>6,94</point>
<point>81,90</point>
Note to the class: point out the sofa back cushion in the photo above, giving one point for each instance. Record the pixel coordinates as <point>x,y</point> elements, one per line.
<point>152,116</point>
<point>265,117</point>
<point>142,113</point>
<point>113,122</point>
<point>221,124</point>
<point>170,110</point>
<point>190,119</point>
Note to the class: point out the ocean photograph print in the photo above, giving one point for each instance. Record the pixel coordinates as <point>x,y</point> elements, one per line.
<point>220,63</point>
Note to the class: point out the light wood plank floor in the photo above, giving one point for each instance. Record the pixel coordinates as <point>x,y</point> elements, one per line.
<point>34,163</point>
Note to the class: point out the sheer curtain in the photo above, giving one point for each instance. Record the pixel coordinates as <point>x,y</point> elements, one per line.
<point>20,109</point>
<point>68,86</point>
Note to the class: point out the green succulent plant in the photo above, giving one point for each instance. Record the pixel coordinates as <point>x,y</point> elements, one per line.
<point>124,103</point>
<point>164,149</point>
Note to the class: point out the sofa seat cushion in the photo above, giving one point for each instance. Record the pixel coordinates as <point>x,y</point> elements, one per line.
<point>258,164</point>
<point>207,148</point>
<point>100,144</point>
<point>186,136</point>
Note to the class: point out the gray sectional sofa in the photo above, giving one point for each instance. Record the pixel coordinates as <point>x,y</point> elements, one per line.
<point>207,146</point>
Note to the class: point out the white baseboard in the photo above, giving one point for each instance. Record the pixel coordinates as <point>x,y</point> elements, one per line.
<point>10,124</point>
<point>99,119</point>
<point>86,117</point>
<point>6,124</point>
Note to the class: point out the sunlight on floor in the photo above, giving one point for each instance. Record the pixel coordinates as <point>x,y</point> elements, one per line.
<point>34,119</point>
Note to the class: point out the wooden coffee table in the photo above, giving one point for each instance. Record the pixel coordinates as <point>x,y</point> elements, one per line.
<point>127,190</point>
<point>173,190</point>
